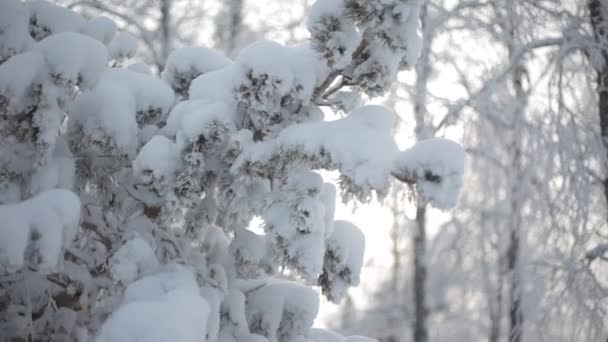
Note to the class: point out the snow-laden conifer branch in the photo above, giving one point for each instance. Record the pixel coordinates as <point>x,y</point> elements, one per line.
<point>173,171</point>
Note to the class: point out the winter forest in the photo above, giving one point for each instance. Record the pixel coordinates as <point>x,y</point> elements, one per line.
<point>304,170</point>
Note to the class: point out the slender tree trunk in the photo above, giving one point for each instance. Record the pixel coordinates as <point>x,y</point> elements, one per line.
<point>496,313</point>
<point>236,19</point>
<point>165,29</point>
<point>423,131</point>
<point>495,293</point>
<point>421,313</point>
<point>228,26</point>
<point>420,331</point>
<point>516,317</point>
<point>598,12</point>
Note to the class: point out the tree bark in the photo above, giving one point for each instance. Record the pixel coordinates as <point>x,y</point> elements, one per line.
<point>165,28</point>
<point>516,317</point>
<point>420,271</point>
<point>423,69</point>
<point>423,131</point>
<point>598,11</point>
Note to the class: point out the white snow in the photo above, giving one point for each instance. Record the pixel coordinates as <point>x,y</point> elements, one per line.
<point>159,160</point>
<point>214,86</point>
<point>265,57</point>
<point>140,67</point>
<point>169,278</point>
<point>165,306</point>
<point>14,31</point>
<point>57,172</point>
<point>322,8</point>
<point>107,111</point>
<point>175,316</point>
<point>347,246</point>
<point>190,62</point>
<point>132,260</point>
<point>443,159</point>
<point>119,100</point>
<point>193,117</point>
<point>16,78</point>
<point>359,145</point>
<point>307,69</point>
<point>101,28</point>
<point>53,216</point>
<point>74,57</point>
<point>149,92</point>
<point>55,19</point>
<point>123,45</point>
<point>328,199</point>
<point>282,309</point>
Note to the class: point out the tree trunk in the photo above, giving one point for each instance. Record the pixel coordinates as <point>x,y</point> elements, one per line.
<point>420,310</point>
<point>228,26</point>
<point>165,29</point>
<point>516,317</point>
<point>423,131</point>
<point>598,11</point>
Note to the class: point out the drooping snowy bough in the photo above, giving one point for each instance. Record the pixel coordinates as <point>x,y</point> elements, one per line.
<point>126,199</point>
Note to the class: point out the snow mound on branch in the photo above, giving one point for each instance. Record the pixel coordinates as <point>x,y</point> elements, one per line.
<point>107,112</point>
<point>16,78</point>
<point>307,69</point>
<point>132,260</point>
<point>281,310</point>
<point>169,278</point>
<point>177,315</point>
<point>123,45</point>
<point>121,99</point>
<point>58,172</point>
<point>185,64</point>
<point>322,335</point>
<point>334,35</point>
<point>73,57</point>
<point>140,67</point>
<point>149,92</point>
<point>102,29</point>
<point>165,306</point>
<point>192,117</point>
<point>343,260</point>
<point>49,19</point>
<point>157,163</point>
<point>52,217</point>
<point>158,155</point>
<point>325,8</point>
<point>14,31</point>
<point>437,166</point>
<point>67,57</point>
<point>356,338</point>
<point>359,145</point>
<point>297,222</point>
<point>265,57</point>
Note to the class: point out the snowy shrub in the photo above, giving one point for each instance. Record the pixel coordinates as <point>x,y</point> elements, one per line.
<point>126,199</point>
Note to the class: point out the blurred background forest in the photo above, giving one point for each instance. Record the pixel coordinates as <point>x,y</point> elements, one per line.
<point>522,84</point>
